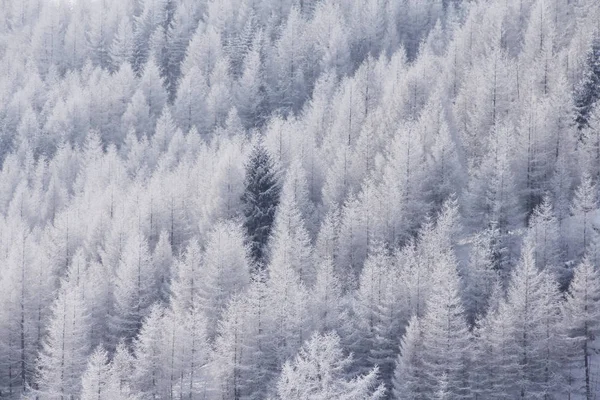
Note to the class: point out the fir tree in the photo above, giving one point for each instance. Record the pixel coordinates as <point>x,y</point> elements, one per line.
<point>260,199</point>
<point>318,372</point>
<point>582,316</point>
<point>588,91</point>
<point>408,380</point>
<point>584,203</point>
<point>66,347</point>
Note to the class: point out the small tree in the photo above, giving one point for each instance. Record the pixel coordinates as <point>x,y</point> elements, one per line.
<point>588,91</point>
<point>98,382</point>
<point>318,372</point>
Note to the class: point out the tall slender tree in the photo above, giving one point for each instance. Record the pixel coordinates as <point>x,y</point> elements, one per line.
<point>581,318</point>
<point>260,200</point>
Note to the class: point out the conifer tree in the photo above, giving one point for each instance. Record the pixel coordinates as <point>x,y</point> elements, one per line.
<point>326,297</point>
<point>543,237</point>
<point>122,369</point>
<point>582,318</point>
<point>588,91</point>
<point>150,365</point>
<point>408,381</point>
<point>249,94</point>
<point>290,241</point>
<point>238,362</point>
<point>66,347</point>
<point>528,333</point>
<point>318,372</point>
<point>190,108</point>
<point>584,203</point>
<point>187,275</point>
<point>99,382</point>
<point>260,200</point>
<point>225,272</point>
<point>121,50</point>
<point>133,292</point>
<point>445,335</point>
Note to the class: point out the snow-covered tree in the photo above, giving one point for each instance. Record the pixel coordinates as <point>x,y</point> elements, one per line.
<point>318,372</point>
<point>409,375</point>
<point>581,315</point>
<point>583,205</point>
<point>588,91</point>
<point>225,271</point>
<point>134,288</point>
<point>66,347</point>
<point>543,236</point>
<point>446,343</point>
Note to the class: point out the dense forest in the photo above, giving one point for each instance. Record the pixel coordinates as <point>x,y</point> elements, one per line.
<point>299,199</point>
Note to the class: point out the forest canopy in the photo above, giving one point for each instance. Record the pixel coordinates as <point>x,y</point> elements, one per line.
<point>299,199</point>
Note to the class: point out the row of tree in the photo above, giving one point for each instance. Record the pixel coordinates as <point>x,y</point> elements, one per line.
<point>418,324</point>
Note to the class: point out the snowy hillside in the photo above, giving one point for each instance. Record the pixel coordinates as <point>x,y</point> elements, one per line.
<point>299,199</point>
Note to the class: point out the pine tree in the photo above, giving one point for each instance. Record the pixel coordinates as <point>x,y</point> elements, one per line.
<point>532,345</point>
<point>66,347</point>
<point>290,241</point>
<point>226,271</point>
<point>122,370</point>
<point>542,235</point>
<point>446,345</point>
<point>326,297</point>
<point>238,362</point>
<point>133,292</point>
<point>288,88</point>
<point>287,307</point>
<point>445,177</point>
<point>98,383</point>
<point>121,50</point>
<point>150,366</point>
<point>584,203</point>
<point>98,300</point>
<point>219,99</point>
<point>581,317</point>
<point>409,375</point>
<point>249,94</point>
<point>190,108</point>
<point>260,198</point>
<point>327,243</point>
<point>164,132</point>
<point>24,300</point>
<point>296,186</point>
<point>381,313</point>
<point>494,366</point>
<point>187,276</point>
<point>204,50</point>
<point>152,86</point>
<point>137,118</point>
<point>318,372</point>
<point>152,16</point>
<point>479,277</point>
<point>588,91</point>
<point>184,349</point>
<point>98,35</point>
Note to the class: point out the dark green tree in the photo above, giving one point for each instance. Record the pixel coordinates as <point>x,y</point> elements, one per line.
<point>260,200</point>
<point>588,91</point>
